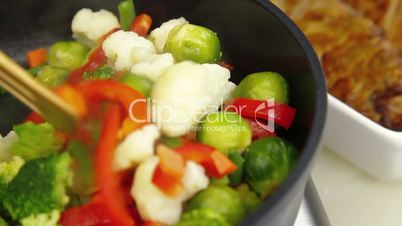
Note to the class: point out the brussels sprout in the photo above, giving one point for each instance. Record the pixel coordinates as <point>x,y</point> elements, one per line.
<point>221,199</point>
<point>194,43</point>
<point>35,70</point>
<point>250,199</point>
<point>67,55</point>
<point>224,181</point>
<point>225,131</point>
<point>237,176</point>
<point>202,217</point>
<point>139,83</point>
<point>52,76</point>
<point>263,86</point>
<point>268,162</point>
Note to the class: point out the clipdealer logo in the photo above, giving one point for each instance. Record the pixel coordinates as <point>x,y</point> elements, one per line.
<point>160,114</point>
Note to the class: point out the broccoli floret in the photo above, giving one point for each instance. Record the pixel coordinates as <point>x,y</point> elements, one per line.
<point>249,198</point>
<point>202,217</point>
<point>104,72</point>
<point>39,187</point>
<point>3,222</point>
<point>8,170</point>
<point>36,141</point>
<point>44,219</point>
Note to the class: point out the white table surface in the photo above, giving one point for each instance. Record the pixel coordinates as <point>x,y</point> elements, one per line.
<point>353,198</point>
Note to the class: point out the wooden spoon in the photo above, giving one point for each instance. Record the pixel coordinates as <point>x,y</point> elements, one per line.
<point>36,96</point>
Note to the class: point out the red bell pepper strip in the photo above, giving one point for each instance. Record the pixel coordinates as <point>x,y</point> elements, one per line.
<point>141,24</point>
<point>169,172</point>
<point>103,37</point>
<point>73,97</point>
<point>225,65</point>
<point>171,162</point>
<point>35,118</point>
<point>37,57</point>
<point>96,59</point>
<point>150,223</point>
<point>283,114</point>
<point>133,102</point>
<point>109,182</point>
<point>215,163</point>
<point>169,185</point>
<point>92,214</point>
<point>258,131</point>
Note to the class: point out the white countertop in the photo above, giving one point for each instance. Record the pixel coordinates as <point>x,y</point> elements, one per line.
<point>353,198</point>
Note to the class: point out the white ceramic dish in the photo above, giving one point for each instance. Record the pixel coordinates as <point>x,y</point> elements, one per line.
<point>368,145</point>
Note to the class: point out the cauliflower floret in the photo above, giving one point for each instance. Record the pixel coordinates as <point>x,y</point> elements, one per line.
<point>152,66</point>
<point>160,34</point>
<point>186,92</point>
<point>125,48</point>
<point>137,146</point>
<point>89,26</point>
<point>194,179</point>
<point>5,146</point>
<point>152,204</point>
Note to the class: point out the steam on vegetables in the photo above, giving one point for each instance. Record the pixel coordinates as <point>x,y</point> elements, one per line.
<point>166,138</point>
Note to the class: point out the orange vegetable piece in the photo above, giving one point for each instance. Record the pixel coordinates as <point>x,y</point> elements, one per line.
<point>37,57</point>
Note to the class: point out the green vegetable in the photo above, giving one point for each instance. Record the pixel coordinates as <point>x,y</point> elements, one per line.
<point>39,187</point>
<point>223,181</point>
<point>83,183</point>
<point>67,55</point>
<point>171,142</point>
<point>44,219</point>
<point>237,176</point>
<point>35,141</point>
<point>2,91</point>
<point>35,70</point>
<point>8,170</point>
<point>268,162</point>
<point>225,131</point>
<point>52,76</point>
<point>264,86</point>
<point>3,222</point>
<point>249,197</point>
<point>127,13</point>
<point>202,217</point>
<point>102,73</point>
<point>194,43</point>
<point>139,83</point>
<point>220,199</point>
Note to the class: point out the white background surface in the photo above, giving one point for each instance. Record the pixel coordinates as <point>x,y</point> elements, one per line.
<point>352,198</point>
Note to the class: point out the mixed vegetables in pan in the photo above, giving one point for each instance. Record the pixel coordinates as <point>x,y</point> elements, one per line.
<point>165,137</point>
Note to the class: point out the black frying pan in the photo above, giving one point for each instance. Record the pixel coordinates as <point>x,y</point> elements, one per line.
<point>255,36</point>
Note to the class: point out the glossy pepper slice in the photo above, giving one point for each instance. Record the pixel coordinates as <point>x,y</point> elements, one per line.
<point>109,182</point>
<point>141,24</point>
<point>282,114</point>
<point>169,172</point>
<point>215,163</point>
<point>37,57</point>
<point>96,59</point>
<point>92,214</point>
<point>108,90</point>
